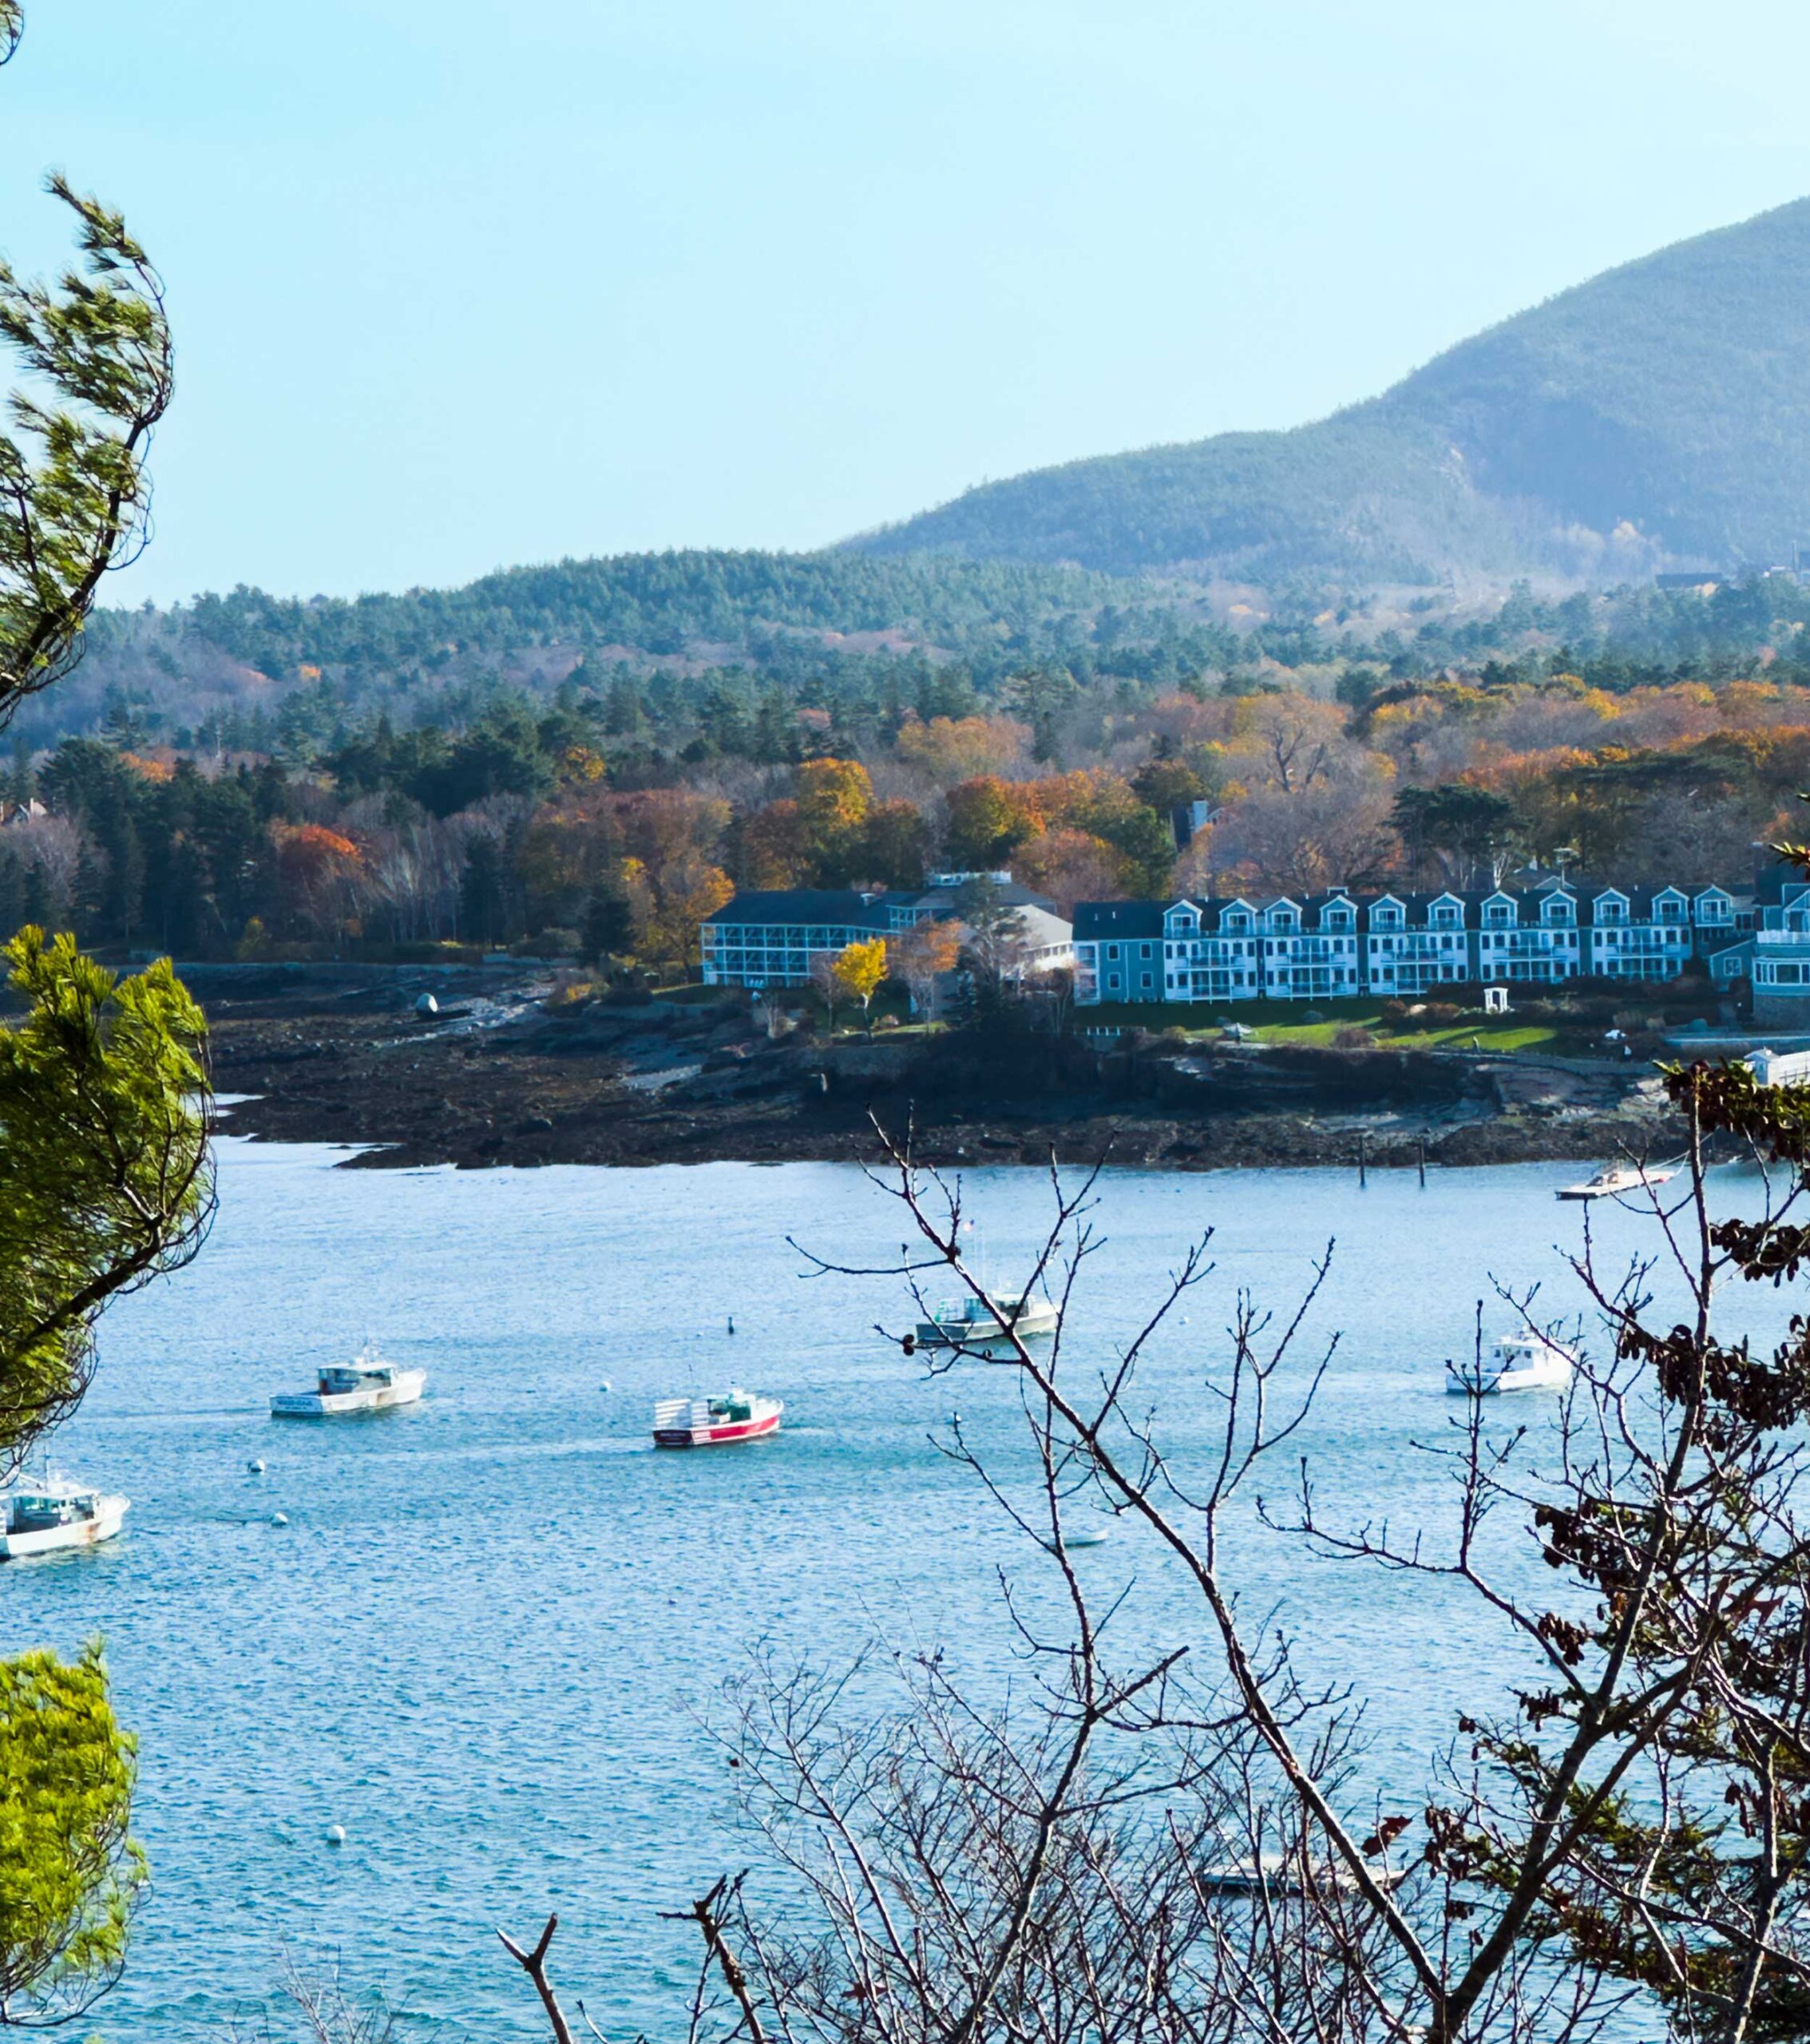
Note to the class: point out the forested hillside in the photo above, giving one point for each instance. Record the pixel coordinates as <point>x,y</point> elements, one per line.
<point>1659,412</point>
<point>483,764</point>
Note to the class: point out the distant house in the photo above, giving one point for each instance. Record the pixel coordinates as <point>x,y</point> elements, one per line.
<point>21,812</point>
<point>773,937</point>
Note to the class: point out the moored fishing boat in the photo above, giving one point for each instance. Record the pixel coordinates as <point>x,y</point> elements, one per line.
<point>1516,1362</point>
<point>367,1383</point>
<point>737,1416</point>
<point>969,1322</point>
<point>38,1519</point>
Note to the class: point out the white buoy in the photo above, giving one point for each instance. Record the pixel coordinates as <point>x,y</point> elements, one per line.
<point>607,1385</point>
<point>279,1518</point>
<point>336,1834</point>
<point>255,1467</point>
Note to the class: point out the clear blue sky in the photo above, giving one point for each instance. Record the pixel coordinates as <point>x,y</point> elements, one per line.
<point>456,285</point>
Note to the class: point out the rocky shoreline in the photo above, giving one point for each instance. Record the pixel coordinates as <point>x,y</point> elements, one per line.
<point>498,1078</point>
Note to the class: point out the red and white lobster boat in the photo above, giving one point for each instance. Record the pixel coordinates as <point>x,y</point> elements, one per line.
<point>739,1415</point>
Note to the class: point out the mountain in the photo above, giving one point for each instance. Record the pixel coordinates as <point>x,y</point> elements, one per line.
<point>1659,413</point>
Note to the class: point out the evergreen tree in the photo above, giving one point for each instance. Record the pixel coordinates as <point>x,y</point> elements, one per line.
<point>608,925</point>
<point>484,892</point>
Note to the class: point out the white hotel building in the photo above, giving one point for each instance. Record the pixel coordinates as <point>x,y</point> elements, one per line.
<point>1338,945</point>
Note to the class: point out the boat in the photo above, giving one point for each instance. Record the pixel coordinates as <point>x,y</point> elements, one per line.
<point>367,1383</point>
<point>38,1519</point>
<point>737,1416</point>
<point>1515,1362</point>
<point>1281,1873</point>
<point>961,1323</point>
<point>1615,1178</point>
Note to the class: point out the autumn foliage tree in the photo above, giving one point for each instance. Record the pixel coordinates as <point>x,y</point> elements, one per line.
<point>861,968</point>
<point>323,871</point>
<point>920,957</point>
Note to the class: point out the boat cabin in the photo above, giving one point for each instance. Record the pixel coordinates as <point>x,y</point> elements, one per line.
<point>338,1378</point>
<point>40,1511</point>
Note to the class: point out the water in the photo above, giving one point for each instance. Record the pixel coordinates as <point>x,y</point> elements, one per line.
<point>479,1642</point>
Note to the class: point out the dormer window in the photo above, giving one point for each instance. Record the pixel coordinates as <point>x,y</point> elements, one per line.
<point>1612,908</point>
<point>1559,911</point>
<point>1499,915</point>
<point>1444,915</point>
<point>1670,907</point>
<point>1386,917</point>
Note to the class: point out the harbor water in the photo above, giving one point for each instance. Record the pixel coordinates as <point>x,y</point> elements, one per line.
<point>487,1639</point>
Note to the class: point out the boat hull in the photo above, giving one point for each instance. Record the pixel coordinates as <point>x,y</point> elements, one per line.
<point>1468,1384</point>
<point>977,1334</point>
<point>1634,1182</point>
<point>727,1433</point>
<point>79,1533</point>
<point>337,1405</point>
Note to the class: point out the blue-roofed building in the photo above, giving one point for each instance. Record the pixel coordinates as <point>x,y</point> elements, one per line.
<point>1336,944</point>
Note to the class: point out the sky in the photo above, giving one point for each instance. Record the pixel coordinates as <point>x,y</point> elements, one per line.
<point>459,285</point>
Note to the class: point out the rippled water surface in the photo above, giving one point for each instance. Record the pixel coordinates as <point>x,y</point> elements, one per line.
<point>478,1641</point>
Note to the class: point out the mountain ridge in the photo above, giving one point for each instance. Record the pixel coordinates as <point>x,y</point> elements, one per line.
<point>1656,412</point>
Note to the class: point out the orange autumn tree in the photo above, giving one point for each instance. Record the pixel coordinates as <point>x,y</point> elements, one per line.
<point>322,874</point>
<point>679,895</point>
<point>920,957</point>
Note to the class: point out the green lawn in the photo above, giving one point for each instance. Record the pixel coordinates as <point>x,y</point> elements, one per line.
<point>1279,1022</point>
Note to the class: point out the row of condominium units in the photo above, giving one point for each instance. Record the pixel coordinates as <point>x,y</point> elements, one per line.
<point>1319,946</point>
<point>1339,943</point>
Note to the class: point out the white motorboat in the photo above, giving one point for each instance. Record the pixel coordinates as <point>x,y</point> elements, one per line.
<point>972,1322</point>
<point>367,1383</point>
<point>38,1519</point>
<point>1516,1362</point>
<point>1615,1178</point>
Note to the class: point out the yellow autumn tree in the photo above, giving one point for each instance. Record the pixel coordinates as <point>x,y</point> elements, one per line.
<point>860,968</point>
<point>834,797</point>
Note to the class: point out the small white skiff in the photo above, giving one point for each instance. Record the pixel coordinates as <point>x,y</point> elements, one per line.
<point>38,1519</point>
<point>1613,1179</point>
<point>366,1385</point>
<point>1517,1362</point>
<point>969,1322</point>
<point>1281,1873</point>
